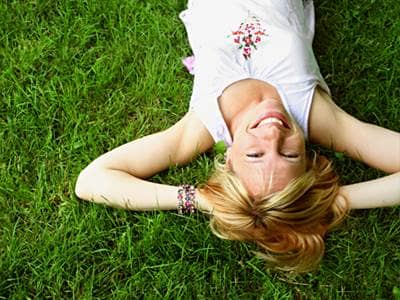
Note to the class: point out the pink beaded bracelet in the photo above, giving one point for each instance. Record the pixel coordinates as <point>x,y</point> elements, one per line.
<point>186,199</point>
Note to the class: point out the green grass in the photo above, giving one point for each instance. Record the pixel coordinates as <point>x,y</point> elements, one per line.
<point>81,77</point>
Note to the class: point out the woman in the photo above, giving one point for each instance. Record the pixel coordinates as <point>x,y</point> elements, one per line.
<point>257,88</point>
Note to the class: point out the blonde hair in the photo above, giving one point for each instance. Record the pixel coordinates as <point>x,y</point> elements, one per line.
<point>288,225</point>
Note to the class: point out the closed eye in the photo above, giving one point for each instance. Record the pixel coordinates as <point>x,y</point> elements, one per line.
<point>255,155</point>
<point>291,155</point>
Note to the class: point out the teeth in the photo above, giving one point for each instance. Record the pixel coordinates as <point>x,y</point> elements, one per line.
<point>270,120</point>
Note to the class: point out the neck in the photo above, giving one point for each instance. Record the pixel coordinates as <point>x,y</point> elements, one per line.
<point>241,96</point>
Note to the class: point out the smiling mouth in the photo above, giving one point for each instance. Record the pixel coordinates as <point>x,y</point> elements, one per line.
<point>271,118</point>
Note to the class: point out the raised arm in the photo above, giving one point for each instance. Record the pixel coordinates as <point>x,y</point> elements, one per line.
<point>378,147</point>
<point>117,178</point>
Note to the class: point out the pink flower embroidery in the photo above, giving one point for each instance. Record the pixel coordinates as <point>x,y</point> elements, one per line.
<point>188,62</point>
<point>248,35</point>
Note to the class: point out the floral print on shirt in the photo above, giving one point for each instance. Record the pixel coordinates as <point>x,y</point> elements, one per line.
<point>249,34</point>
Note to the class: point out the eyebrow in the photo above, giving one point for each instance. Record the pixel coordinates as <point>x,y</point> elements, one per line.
<point>252,162</point>
<point>293,162</point>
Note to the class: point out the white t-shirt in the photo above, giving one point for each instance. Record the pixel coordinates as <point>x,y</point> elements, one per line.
<point>268,40</point>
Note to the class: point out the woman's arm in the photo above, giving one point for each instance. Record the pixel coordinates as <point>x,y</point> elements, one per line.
<point>380,192</point>
<point>378,147</point>
<point>117,178</point>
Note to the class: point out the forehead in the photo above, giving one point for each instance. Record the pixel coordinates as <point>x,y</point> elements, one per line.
<point>267,177</point>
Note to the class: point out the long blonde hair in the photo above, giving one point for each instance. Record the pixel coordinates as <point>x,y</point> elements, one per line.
<point>289,225</point>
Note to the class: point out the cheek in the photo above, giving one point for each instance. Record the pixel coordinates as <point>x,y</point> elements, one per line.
<point>238,145</point>
<point>232,157</point>
<point>243,141</point>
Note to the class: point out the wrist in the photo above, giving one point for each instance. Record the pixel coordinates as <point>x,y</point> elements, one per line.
<point>186,199</point>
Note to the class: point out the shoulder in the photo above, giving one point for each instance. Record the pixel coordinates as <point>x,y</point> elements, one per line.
<point>325,119</point>
<point>332,127</point>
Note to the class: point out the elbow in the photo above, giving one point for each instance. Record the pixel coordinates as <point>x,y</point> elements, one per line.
<point>82,185</point>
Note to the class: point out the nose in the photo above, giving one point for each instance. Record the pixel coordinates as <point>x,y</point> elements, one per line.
<point>272,138</point>
<point>270,133</point>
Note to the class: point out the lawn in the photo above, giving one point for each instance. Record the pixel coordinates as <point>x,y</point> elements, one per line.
<point>78,78</point>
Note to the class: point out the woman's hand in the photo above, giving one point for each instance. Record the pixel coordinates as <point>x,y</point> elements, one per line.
<point>202,204</point>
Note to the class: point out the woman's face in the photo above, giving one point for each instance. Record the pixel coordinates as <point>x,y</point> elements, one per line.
<point>268,148</point>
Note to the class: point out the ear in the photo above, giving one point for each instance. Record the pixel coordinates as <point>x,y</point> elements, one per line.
<point>323,161</point>
<point>228,161</point>
<point>314,159</point>
<point>227,154</point>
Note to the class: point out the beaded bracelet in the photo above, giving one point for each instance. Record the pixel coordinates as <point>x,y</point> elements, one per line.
<point>186,199</point>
